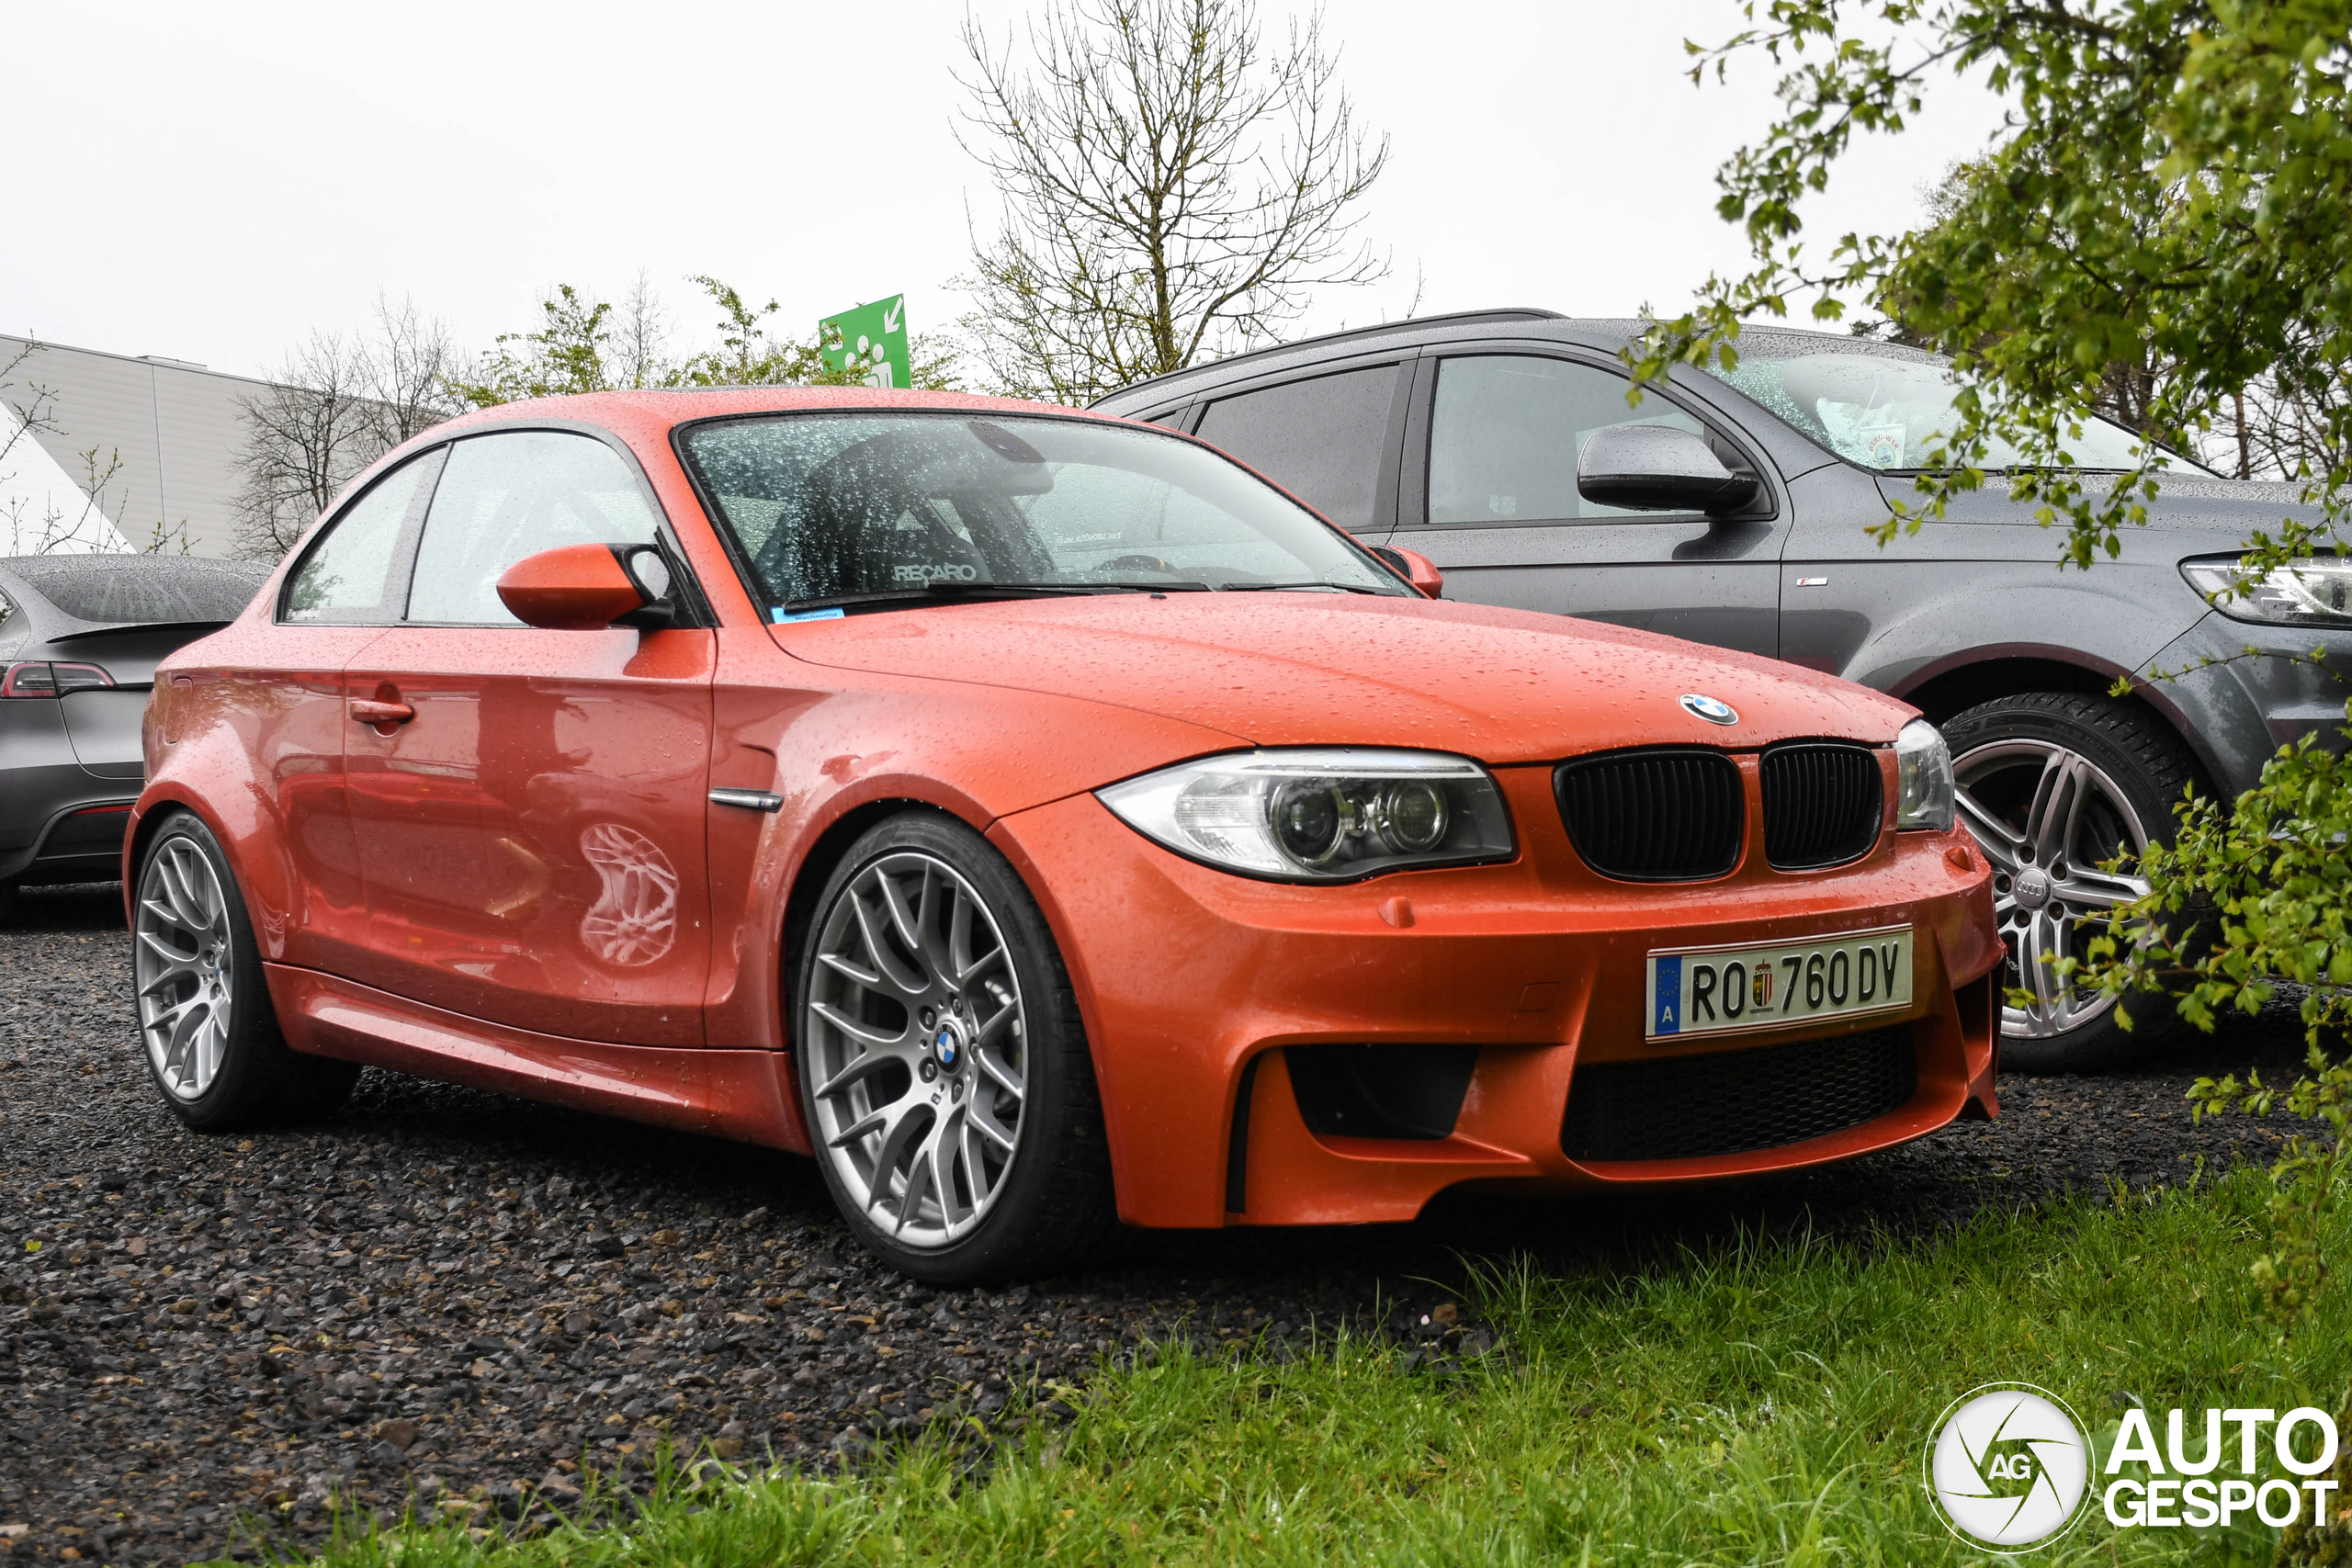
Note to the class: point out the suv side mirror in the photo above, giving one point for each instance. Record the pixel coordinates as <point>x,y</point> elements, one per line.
<point>1413,568</point>
<point>1656,468</point>
<point>590,587</point>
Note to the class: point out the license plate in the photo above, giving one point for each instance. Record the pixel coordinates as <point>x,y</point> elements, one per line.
<point>1711,990</point>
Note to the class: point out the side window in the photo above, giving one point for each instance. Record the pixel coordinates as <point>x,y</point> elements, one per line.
<point>1506,431</point>
<point>506,496</point>
<point>1320,439</point>
<point>352,573</point>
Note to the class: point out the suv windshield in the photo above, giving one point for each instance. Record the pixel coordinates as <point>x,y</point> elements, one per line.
<point>1886,406</point>
<point>835,508</point>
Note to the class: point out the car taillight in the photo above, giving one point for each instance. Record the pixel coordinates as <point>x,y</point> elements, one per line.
<point>51,680</point>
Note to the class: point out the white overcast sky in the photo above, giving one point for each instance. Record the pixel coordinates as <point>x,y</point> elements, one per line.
<point>212,183</point>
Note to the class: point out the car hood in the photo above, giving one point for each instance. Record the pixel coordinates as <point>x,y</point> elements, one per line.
<point>1287,669</point>
<point>2184,503</point>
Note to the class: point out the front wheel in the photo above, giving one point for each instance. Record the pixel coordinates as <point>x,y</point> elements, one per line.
<point>213,1045</point>
<point>943,1065</point>
<point>2065,793</point>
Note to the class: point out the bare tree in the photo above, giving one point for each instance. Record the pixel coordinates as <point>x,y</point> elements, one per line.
<point>1171,189</point>
<point>335,407</point>
<point>305,437</point>
<point>408,374</point>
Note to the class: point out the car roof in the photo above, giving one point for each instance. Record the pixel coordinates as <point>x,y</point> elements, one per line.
<point>682,405</point>
<point>1608,333</point>
<point>64,595</point>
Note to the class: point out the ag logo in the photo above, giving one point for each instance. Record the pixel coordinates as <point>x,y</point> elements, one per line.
<point>2008,1466</point>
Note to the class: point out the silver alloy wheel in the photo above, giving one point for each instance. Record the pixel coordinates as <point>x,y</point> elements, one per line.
<point>2047,817</point>
<point>918,1049</point>
<point>185,967</point>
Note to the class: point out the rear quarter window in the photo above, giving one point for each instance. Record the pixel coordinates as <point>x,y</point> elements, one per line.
<point>1321,439</point>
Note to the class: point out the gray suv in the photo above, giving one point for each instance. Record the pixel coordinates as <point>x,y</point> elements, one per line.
<point>1730,508</point>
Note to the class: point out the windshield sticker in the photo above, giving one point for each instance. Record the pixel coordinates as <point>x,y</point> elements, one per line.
<point>934,572</point>
<point>782,617</point>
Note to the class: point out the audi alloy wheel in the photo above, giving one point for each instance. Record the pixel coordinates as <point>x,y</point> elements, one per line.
<point>2065,793</point>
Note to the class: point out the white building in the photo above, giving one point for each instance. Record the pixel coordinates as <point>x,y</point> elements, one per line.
<point>171,431</point>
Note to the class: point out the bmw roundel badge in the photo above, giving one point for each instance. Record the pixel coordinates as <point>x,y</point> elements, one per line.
<point>1714,710</point>
<point>946,1045</point>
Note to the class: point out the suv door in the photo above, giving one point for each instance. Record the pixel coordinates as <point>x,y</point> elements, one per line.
<point>531,827</point>
<point>1489,492</point>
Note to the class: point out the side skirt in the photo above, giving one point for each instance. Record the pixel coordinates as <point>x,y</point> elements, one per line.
<point>741,1094</point>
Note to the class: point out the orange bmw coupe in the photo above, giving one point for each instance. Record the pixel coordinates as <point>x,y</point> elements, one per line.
<point>1041,821</point>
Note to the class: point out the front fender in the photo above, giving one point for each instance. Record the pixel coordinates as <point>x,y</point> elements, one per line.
<point>837,747</point>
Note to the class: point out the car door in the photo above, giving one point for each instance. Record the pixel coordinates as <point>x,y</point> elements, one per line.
<point>528,804</point>
<point>1328,437</point>
<point>1488,484</point>
<point>282,691</point>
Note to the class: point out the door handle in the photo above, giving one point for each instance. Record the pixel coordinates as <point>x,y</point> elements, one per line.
<point>365,711</point>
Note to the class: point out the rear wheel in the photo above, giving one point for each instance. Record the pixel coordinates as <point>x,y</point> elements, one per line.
<point>943,1065</point>
<point>2056,786</point>
<point>212,1042</point>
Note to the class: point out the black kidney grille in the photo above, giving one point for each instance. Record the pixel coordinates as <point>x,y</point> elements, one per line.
<point>1654,816</point>
<point>1734,1101</point>
<point>1822,804</point>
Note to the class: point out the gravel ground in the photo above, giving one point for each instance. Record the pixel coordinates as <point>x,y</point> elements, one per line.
<point>450,1296</point>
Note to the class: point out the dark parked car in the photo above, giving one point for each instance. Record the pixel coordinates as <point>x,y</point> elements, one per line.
<point>1730,508</point>
<point>79,638</point>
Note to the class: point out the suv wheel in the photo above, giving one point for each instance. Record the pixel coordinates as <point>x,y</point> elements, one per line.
<point>212,1042</point>
<point>943,1065</point>
<point>2055,786</point>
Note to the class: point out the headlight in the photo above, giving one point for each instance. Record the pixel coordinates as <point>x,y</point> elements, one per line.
<point>2315,591</point>
<point>1924,788</point>
<point>1323,815</point>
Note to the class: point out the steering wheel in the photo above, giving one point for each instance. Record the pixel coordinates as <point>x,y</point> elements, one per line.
<point>1135,563</point>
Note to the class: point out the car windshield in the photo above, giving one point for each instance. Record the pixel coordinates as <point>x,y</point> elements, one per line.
<point>1888,409</point>
<point>842,508</point>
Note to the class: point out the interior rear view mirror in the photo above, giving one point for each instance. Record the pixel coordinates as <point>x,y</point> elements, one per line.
<point>1656,467</point>
<point>590,587</point>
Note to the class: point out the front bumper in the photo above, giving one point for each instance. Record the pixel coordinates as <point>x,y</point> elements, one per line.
<point>2244,689</point>
<point>1191,982</point>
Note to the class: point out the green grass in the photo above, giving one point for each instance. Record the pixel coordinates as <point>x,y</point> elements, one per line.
<point>1761,1403</point>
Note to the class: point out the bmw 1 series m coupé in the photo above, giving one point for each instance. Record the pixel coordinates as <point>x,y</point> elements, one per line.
<point>1040,819</point>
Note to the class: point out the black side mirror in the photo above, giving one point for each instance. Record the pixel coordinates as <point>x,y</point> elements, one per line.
<point>649,569</point>
<point>1656,468</point>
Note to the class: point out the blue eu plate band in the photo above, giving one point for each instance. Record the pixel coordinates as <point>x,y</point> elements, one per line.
<point>749,799</point>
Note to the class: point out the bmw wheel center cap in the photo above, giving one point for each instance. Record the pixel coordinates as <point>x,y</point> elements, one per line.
<point>1714,710</point>
<point>947,1046</point>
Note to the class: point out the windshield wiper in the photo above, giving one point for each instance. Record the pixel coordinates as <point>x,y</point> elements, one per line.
<point>950,588</point>
<point>1270,587</point>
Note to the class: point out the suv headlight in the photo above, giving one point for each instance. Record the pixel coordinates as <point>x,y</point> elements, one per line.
<point>2313,591</point>
<point>1925,795</point>
<point>1334,814</point>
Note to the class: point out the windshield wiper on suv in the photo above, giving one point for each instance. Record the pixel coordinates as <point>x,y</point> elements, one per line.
<point>949,587</point>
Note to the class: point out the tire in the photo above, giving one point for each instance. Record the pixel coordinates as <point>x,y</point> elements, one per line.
<point>2051,783</point>
<point>204,1020</point>
<point>949,1094</point>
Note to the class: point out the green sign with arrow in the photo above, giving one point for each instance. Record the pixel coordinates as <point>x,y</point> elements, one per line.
<point>871,341</point>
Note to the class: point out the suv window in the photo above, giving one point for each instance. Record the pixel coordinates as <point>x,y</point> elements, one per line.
<point>1506,431</point>
<point>511,495</point>
<point>351,574</point>
<point>1321,439</point>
